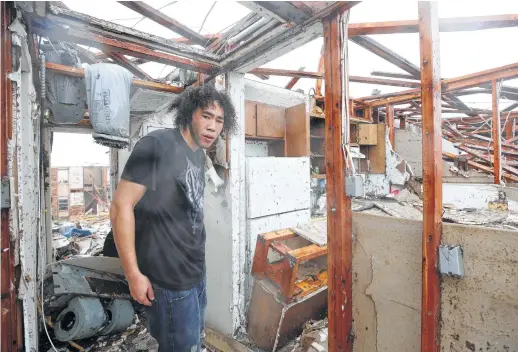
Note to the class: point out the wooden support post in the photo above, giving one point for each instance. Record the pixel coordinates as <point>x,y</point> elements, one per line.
<point>497,133</point>
<point>402,123</point>
<point>389,110</point>
<point>339,211</point>
<point>432,175</point>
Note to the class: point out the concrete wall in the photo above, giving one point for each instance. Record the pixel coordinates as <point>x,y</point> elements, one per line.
<point>478,311</point>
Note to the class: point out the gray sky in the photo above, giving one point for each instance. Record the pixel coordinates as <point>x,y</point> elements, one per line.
<point>461,52</point>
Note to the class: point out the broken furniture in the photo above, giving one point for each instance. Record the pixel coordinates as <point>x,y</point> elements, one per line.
<point>290,287</point>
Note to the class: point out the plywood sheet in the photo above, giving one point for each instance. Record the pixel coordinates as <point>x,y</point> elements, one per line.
<point>297,131</point>
<point>270,121</point>
<point>277,185</point>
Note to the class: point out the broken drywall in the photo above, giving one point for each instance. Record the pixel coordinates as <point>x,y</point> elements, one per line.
<point>478,311</point>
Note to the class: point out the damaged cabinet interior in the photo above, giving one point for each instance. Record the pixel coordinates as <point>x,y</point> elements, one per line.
<point>327,210</point>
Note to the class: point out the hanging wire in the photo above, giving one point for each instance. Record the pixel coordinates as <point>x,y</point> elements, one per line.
<point>206,16</point>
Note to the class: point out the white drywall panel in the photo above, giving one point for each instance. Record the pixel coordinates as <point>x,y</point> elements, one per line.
<point>272,95</point>
<point>256,148</point>
<point>277,185</point>
<point>75,179</point>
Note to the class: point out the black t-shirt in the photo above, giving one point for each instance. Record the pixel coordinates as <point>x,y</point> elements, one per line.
<point>169,228</point>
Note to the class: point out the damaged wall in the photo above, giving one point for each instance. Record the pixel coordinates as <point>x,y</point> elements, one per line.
<point>26,221</point>
<point>478,311</point>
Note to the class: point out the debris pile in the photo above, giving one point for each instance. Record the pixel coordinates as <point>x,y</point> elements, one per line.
<point>314,338</point>
<point>82,238</point>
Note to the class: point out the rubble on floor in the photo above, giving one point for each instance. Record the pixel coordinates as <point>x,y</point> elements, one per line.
<point>314,338</point>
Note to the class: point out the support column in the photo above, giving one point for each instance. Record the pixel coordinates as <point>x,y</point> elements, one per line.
<point>339,213</point>
<point>497,133</point>
<point>389,110</point>
<point>432,174</point>
<point>402,123</point>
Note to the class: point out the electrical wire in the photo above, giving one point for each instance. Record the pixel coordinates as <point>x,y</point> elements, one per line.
<point>160,8</point>
<point>206,16</point>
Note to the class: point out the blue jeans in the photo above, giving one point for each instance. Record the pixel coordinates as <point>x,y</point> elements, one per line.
<point>176,318</point>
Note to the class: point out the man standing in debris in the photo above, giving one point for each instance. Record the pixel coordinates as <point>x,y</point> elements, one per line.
<point>157,218</point>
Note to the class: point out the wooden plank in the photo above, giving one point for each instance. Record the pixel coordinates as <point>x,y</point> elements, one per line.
<point>432,175</point>
<point>279,235</point>
<point>389,110</point>
<point>339,210</point>
<point>497,133</point>
<point>250,118</point>
<point>318,83</point>
<point>270,121</point>
<point>455,24</point>
<point>318,75</point>
<point>308,252</point>
<point>280,248</point>
<point>377,153</point>
<point>297,131</point>
<point>387,54</point>
<point>513,171</point>
<point>393,75</point>
<point>294,80</point>
<point>79,72</point>
<point>166,21</point>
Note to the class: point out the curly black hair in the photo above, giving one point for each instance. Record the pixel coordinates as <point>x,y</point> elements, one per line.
<point>201,97</point>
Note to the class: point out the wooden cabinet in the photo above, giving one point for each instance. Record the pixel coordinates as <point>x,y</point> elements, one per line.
<point>367,134</point>
<point>270,121</point>
<point>285,130</point>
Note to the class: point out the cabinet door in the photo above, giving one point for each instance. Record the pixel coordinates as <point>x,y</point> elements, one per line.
<point>250,118</point>
<point>270,121</point>
<point>368,134</point>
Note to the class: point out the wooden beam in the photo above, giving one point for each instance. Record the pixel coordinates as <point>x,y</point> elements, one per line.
<point>161,18</point>
<point>432,175</point>
<point>130,66</point>
<point>387,54</point>
<point>450,85</point>
<point>497,133</point>
<point>109,45</point>
<point>389,110</point>
<point>339,210</point>
<point>510,127</point>
<point>79,72</point>
<point>456,24</point>
<point>318,75</point>
<point>294,80</point>
<point>79,21</point>
<point>393,75</point>
<point>284,11</point>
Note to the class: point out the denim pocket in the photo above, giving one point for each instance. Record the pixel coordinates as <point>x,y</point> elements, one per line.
<point>179,295</point>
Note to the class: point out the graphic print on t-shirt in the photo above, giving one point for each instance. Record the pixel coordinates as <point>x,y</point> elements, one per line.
<point>191,181</point>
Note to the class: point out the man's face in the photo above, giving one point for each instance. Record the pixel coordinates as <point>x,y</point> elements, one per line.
<point>207,125</point>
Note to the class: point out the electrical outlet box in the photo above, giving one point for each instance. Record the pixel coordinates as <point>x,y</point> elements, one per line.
<point>451,261</point>
<point>354,186</point>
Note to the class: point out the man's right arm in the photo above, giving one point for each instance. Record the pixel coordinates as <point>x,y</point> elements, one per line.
<point>122,217</point>
<point>137,177</point>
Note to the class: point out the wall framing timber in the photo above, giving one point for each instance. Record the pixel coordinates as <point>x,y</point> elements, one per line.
<point>339,211</point>
<point>432,174</point>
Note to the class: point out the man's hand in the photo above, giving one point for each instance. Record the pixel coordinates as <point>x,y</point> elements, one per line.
<point>141,289</point>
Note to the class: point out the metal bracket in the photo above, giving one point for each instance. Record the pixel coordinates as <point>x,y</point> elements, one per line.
<point>6,194</point>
